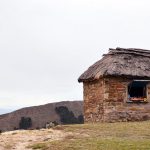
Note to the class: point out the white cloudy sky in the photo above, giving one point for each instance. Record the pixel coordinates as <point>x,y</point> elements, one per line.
<point>46,44</point>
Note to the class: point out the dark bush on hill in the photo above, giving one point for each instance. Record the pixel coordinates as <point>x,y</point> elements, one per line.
<point>68,117</point>
<point>80,119</point>
<point>25,123</point>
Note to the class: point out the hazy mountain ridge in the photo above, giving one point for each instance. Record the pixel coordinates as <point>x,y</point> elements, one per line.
<point>39,114</point>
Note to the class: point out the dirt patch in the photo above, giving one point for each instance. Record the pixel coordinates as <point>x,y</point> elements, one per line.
<point>21,139</point>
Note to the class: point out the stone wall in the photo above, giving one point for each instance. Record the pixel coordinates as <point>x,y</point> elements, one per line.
<point>148,92</point>
<point>116,89</point>
<point>106,101</point>
<point>127,112</point>
<point>114,104</point>
<point>116,107</point>
<point>93,101</point>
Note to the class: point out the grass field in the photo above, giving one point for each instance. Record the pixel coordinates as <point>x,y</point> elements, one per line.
<point>102,136</point>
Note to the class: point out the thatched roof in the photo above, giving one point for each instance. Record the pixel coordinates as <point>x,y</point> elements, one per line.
<point>131,62</point>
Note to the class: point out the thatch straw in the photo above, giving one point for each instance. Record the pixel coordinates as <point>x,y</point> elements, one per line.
<point>130,63</point>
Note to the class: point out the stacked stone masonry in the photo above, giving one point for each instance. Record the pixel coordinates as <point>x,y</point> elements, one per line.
<point>105,100</point>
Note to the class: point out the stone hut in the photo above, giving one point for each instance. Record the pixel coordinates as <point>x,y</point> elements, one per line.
<point>117,87</point>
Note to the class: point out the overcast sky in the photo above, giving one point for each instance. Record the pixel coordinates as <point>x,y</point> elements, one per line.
<point>46,44</point>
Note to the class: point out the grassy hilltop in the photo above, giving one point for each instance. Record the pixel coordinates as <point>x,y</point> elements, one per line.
<point>104,136</point>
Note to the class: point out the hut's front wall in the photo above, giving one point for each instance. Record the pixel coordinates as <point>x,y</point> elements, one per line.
<point>106,100</point>
<point>93,101</point>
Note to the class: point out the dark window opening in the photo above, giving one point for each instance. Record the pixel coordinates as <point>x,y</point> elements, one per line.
<point>137,91</point>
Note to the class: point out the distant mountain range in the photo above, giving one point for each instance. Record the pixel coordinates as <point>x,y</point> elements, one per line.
<point>39,115</point>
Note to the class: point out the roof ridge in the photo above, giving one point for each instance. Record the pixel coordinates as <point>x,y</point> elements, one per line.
<point>133,49</point>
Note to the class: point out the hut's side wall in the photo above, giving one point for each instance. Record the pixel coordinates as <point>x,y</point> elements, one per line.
<point>116,89</point>
<point>116,107</point>
<point>93,101</point>
<point>106,101</point>
<point>114,103</point>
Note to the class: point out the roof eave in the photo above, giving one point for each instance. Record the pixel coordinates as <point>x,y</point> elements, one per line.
<point>106,76</point>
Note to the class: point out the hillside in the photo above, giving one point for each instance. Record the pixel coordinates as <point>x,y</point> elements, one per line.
<point>40,115</point>
<point>102,136</point>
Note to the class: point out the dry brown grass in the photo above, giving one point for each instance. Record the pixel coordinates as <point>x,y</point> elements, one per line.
<point>106,136</point>
<point>102,136</point>
<point>42,146</point>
